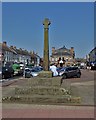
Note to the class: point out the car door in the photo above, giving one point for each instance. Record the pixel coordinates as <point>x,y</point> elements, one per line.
<point>74,71</point>
<point>69,72</point>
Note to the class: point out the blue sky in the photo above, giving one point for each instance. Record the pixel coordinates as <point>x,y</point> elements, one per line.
<point>72,25</point>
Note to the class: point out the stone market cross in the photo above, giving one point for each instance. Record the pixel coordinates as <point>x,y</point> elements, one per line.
<point>46,24</point>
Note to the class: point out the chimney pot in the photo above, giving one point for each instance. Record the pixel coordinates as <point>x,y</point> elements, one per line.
<point>15,47</point>
<point>4,43</point>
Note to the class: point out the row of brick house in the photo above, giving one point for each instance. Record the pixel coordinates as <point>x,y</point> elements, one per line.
<point>12,54</point>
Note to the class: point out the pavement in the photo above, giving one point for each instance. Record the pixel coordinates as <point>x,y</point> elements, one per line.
<point>9,81</point>
<point>46,111</point>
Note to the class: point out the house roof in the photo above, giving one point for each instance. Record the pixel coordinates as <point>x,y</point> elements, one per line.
<point>62,48</point>
<point>20,51</point>
<point>5,48</point>
<point>15,50</point>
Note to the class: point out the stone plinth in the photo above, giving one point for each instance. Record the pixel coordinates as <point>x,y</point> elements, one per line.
<point>45,74</point>
<point>38,90</point>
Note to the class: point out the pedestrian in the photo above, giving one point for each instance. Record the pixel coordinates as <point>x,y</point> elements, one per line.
<point>53,68</point>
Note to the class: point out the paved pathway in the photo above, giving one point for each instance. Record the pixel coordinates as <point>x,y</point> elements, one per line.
<point>46,111</point>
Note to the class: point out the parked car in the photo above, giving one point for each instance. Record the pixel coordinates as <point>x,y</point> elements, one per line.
<point>7,72</point>
<point>27,73</point>
<point>0,73</point>
<point>31,72</point>
<point>37,68</point>
<point>58,69</point>
<point>93,66</point>
<point>67,72</point>
<point>21,65</point>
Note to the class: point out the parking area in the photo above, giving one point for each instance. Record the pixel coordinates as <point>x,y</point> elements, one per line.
<point>86,75</point>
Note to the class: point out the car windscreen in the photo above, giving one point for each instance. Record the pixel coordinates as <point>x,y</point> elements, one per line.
<point>27,70</point>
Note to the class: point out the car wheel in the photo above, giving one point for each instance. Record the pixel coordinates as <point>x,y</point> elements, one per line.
<point>78,75</point>
<point>64,76</point>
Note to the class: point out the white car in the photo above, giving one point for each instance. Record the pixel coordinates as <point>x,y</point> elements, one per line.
<point>30,72</point>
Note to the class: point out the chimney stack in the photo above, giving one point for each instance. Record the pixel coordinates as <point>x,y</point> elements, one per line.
<point>20,49</point>
<point>53,50</point>
<point>72,50</point>
<point>4,43</point>
<point>14,47</point>
<point>11,46</point>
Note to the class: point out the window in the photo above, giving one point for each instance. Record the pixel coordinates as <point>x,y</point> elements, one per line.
<point>52,59</point>
<point>63,58</point>
<point>59,58</point>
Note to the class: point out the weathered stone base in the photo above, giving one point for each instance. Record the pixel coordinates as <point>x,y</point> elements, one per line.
<point>45,74</point>
<point>38,90</point>
<point>41,95</point>
<point>42,100</point>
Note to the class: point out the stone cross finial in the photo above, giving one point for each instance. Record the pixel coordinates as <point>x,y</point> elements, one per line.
<point>46,23</point>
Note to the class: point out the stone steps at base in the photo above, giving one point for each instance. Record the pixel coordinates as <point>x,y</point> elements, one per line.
<point>41,90</point>
<point>42,99</point>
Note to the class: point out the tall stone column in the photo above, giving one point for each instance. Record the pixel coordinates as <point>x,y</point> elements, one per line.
<point>46,24</point>
<point>46,73</point>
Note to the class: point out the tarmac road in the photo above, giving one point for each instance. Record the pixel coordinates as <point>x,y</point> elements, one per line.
<point>9,81</point>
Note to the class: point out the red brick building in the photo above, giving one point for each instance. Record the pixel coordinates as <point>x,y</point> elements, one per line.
<point>63,56</point>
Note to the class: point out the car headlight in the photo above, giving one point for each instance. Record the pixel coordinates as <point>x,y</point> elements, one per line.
<point>0,72</point>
